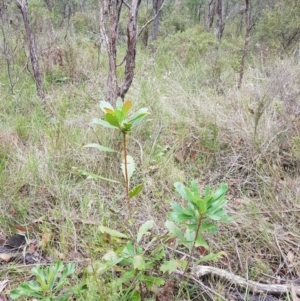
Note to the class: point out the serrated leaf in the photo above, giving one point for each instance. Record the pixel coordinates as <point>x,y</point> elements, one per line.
<point>211,256</point>
<point>128,251</point>
<point>151,280</point>
<point>136,190</point>
<point>200,241</point>
<point>219,193</point>
<point>110,256</point>
<point>104,104</point>
<point>174,230</point>
<point>112,232</point>
<point>169,266</point>
<point>181,190</point>
<point>103,123</point>
<point>100,147</point>
<point>139,263</point>
<point>144,229</point>
<point>97,267</point>
<point>130,167</point>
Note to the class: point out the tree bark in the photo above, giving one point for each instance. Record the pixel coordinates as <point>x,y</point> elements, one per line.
<point>211,12</point>
<point>32,48</point>
<point>155,25</point>
<point>110,11</point>
<point>132,35</point>
<point>221,17</point>
<point>246,42</point>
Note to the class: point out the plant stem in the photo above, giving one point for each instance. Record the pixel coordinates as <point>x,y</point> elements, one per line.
<point>126,172</point>
<point>194,243</point>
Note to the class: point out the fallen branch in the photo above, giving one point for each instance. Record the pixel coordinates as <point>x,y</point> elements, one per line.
<point>253,286</point>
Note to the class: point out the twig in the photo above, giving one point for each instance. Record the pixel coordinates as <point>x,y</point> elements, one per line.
<point>253,286</point>
<point>281,252</point>
<point>199,282</point>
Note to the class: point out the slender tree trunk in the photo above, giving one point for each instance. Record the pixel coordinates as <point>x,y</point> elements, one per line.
<point>246,42</point>
<point>155,25</point>
<point>32,48</point>
<point>132,36</point>
<point>110,11</point>
<point>7,52</point>
<point>220,15</point>
<point>211,12</point>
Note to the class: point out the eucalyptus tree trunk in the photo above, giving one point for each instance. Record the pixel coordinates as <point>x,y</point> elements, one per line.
<point>155,25</point>
<point>110,11</point>
<point>23,7</point>
<point>249,26</point>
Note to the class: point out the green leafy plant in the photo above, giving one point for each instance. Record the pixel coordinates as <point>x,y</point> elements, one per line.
<point>118,118</point>
<point>135,261</point>
<point>50,284</point>
<point>201,214</point>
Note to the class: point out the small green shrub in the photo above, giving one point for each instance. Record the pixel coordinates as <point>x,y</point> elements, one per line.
<point>50,284</point>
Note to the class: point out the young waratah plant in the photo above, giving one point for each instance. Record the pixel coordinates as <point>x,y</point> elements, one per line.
<point>50,284</point>
<point>136,263</point>
<point>118,118</point>
<point>201,214</point>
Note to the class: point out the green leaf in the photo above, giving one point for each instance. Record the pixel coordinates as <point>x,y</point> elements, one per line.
<point>189,238</point>
<point>181,190</point>
<point>120,116</point>
<point>127,126</point>
<point>170,266</point>
<point>130,167</point>
<point>211,256</point>
<point>105,104</point>
<point>144,229</point>
<point>29,289</point>
<point>139,263</point>
<point>112,232</point>
<point>75,290</point>
<point>128,251</point>
<point>93,176</point>
<point>180,214</point>
<point>103,123</point>
<point>219,193</point>
<point>99,267</point>
<point>112,120</point>
<point>135,296</point>
<point>68,270</point>
<point>128,275</point>
<point>119,103</point>
<point>100,147</point>
<point>174,230</point>
<point>126,107</point>
<point>138,116</point>
<point>136,190</point>
<point>200,241</point>
<point>151,280</point>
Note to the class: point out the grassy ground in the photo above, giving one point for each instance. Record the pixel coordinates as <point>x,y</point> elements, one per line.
<point>201,127</point>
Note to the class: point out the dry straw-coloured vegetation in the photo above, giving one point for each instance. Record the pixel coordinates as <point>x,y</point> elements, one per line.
<point>201,127</point>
